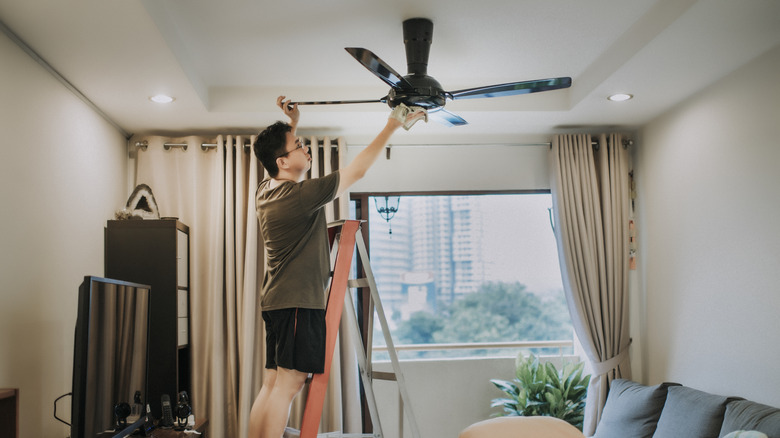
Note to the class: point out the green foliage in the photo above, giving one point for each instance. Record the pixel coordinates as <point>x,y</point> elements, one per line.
<point>496,312</point>
<point>419,329</point>
<point>541,389</point>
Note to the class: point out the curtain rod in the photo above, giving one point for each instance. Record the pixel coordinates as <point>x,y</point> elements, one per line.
<point>625,142</point>
<point>247,146</point>
<point>203,146</point>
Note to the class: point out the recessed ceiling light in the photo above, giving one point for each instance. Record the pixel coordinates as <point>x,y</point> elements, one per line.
<point>161,98</point>
<point>620,97</point>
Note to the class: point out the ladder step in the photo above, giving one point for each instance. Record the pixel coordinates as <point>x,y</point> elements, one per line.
<point>383,375</point>
<point>359,282</point>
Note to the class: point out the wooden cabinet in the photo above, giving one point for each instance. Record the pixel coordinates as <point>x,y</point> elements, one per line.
<point>9,413</point>
<point>156,253</point>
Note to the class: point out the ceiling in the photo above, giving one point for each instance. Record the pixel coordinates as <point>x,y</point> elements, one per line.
<point>226,61</point>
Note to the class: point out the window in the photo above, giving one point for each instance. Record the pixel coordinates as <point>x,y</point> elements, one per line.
<point>466,269</point>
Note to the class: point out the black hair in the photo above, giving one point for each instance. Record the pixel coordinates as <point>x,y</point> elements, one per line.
<point>270,144</point>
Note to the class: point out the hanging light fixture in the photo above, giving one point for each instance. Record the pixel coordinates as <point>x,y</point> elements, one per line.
<point>389,209</point>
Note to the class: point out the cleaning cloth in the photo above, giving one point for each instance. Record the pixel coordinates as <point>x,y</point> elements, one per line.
<point>401,111</point>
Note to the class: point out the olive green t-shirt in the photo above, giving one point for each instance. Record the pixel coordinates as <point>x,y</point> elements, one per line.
<point>295,234</point>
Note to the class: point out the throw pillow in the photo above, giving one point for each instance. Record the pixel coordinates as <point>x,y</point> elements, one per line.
<point>632,409</point>
<point>691,413</point>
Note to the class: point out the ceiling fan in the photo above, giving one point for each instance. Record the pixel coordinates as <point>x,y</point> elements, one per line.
<point>419,89</point>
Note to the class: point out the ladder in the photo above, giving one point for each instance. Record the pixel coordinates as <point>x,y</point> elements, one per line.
<point>345,236</point>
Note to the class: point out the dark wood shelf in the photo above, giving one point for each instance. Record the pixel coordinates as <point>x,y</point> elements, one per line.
<point>9,413</point>
<point>156,252</point>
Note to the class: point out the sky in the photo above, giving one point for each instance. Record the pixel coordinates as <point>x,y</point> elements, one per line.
<point>519,241</point>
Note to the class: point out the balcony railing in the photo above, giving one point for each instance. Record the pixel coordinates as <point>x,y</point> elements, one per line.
<point>561,346</point>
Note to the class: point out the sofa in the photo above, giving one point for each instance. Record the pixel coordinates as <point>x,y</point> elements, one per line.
<point>633,410</point>
<point>672,410</point>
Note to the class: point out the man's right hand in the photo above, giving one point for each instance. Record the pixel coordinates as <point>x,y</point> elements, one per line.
<point>406,116</point>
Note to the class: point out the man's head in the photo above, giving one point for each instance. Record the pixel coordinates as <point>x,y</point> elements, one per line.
<point>270,145</point>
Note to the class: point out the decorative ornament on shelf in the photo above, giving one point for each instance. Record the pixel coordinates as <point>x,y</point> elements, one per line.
<point>140,205</point>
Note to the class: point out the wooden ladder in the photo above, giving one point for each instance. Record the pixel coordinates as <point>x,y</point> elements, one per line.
<point>345,237</point>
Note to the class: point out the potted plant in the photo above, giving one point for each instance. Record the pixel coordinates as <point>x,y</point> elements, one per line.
<point>541,389</point>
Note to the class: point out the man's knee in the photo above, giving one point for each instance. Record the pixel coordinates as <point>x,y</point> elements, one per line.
<point>290,381</point>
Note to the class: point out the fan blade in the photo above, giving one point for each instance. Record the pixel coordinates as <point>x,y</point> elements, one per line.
<point>338,102</point>
<point>447,118</point>
<point>380,68</point>
<point>512,88</point>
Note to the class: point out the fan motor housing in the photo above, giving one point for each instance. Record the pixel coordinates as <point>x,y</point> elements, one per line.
<point>418,35</point>
<point>427,93</point>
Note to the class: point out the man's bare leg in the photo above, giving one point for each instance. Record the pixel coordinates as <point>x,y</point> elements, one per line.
<point>269,378</point>
<point>271,409</point>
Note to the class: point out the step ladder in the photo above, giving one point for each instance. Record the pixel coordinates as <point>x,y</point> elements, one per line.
<point>345,236</point>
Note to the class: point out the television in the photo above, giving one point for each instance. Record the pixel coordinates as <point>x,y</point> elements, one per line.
<point>109,355</point>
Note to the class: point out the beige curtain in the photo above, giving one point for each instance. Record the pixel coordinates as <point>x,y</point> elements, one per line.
<point>189,184</point>
<point>212,189</point>
<point>590,191</point>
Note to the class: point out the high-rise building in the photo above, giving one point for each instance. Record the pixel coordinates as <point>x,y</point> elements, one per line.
<point>434,253</point>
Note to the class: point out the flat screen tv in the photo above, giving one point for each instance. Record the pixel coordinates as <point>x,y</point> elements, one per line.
<point>110,353</point>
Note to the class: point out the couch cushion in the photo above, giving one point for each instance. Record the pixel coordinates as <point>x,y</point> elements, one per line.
<point>748,415</point>
<point>691,413</point>
<point>632,410</point>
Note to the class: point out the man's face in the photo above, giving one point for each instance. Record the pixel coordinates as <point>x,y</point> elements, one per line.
<point>297,156</point>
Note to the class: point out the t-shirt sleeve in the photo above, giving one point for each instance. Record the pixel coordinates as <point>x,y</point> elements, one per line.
<point>315,193</point>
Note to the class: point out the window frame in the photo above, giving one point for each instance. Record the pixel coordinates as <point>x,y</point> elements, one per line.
<point>362,205</point>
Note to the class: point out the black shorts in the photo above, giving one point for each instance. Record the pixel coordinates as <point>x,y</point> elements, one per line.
<point>295,339</point>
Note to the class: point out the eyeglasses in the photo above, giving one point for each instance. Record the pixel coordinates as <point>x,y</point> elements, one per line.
<point>298,145</point>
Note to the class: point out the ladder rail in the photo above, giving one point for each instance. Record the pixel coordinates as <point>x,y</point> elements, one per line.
<point>315,400</point>
<point>344,241</point>
<point>363,360</point>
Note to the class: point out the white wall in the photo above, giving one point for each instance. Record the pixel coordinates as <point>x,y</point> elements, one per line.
<point>709,245</point>
<point>485,166</point>
<point>446,395</point>
<point>62,175</point>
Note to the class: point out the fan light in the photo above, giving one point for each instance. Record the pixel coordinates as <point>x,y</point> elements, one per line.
<point>161,98</point>
<point>620,97</point>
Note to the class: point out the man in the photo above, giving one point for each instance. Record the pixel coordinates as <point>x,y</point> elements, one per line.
<point>294,231</point>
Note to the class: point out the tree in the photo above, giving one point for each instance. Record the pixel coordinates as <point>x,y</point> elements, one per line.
<point>497,312</point>
<point>419,329</point>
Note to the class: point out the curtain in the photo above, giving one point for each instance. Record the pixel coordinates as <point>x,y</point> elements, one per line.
<point>211,189</point>
<point>590,191</point>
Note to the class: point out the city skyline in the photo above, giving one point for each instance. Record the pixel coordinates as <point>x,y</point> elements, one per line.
<point>461,242</point>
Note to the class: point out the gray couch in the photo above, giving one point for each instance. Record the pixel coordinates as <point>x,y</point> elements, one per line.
<point>670,410</point>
